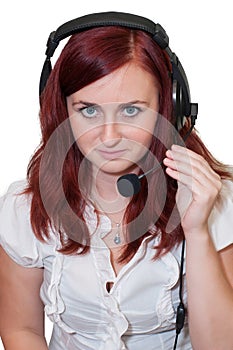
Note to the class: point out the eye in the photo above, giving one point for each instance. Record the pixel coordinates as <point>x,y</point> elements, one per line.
<point>131,111</point>
<point>89,112</point>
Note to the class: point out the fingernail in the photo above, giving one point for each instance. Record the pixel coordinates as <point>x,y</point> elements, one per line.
<point>169,153</point>
<point>175,147</point>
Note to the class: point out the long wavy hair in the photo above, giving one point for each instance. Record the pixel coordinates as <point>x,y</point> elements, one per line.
<point>58,203</point>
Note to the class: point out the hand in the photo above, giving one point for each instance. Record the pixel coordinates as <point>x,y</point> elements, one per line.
<point>198,187</point>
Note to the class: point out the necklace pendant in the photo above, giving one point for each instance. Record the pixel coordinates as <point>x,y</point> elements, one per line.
<point>117,238</point>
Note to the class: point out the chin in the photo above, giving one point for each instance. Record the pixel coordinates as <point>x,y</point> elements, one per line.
<point>118,167</point>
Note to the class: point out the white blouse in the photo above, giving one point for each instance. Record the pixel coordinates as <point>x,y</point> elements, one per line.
<point>139,311</point>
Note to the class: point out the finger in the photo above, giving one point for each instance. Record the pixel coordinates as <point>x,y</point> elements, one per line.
<point>192,184</point>
<point>195,156</point>
<point>191,173</point>
<point>190,169</point>
<point>190,162</point>
<point>204,190</point>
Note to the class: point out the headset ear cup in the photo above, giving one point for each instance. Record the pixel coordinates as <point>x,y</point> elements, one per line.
<point>178,105</point>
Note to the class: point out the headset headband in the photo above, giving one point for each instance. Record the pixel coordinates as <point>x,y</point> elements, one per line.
<point>107,19</point>
<point>128,20</point>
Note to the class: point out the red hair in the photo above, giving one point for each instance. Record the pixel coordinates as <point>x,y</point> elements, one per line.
<point>87,57</point>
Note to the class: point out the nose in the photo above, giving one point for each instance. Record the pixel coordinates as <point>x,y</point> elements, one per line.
<point>110,134</point>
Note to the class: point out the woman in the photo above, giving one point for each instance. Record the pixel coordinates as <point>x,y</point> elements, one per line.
<point>107,267</point>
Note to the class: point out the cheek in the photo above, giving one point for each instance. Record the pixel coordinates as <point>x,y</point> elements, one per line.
<point>84,138</point>
<point>142,137</point>
<point>86,142</point>
<point>83,134</point>
<point>144,131</point>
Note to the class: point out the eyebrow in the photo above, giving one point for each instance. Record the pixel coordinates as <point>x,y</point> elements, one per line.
<point>88,104</point>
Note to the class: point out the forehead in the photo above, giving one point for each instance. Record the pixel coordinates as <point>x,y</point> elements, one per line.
<point>127,83</point>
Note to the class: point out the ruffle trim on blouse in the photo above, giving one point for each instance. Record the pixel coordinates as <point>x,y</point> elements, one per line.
<point>165,310</point>
<point>56,306</point>
<point>115,319</point>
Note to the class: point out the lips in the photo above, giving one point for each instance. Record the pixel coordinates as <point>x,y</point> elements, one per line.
<point>111,154</point>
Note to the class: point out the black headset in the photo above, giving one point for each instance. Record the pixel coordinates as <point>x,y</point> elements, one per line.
<point>181,93</point>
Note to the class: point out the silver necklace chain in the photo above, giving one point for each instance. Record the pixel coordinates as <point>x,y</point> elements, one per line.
<point>117,237</point>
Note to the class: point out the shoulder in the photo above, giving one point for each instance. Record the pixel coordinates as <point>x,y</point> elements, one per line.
<point>15,205</point>
<point>16,186</point>
<point>16,235</point>
<point>227,190</point>
<point>221,218</point>
<point>224,201</point>
<point>14,193</point>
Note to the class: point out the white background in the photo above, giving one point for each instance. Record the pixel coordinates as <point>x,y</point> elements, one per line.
<point>200,34</point>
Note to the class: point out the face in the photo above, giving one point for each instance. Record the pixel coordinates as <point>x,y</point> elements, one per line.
<point>113,119</point>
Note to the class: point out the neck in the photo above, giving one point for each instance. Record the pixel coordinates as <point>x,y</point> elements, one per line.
<point>105,195</point>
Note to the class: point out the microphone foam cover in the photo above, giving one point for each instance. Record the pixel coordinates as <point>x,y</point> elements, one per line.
<point>128,185</point>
